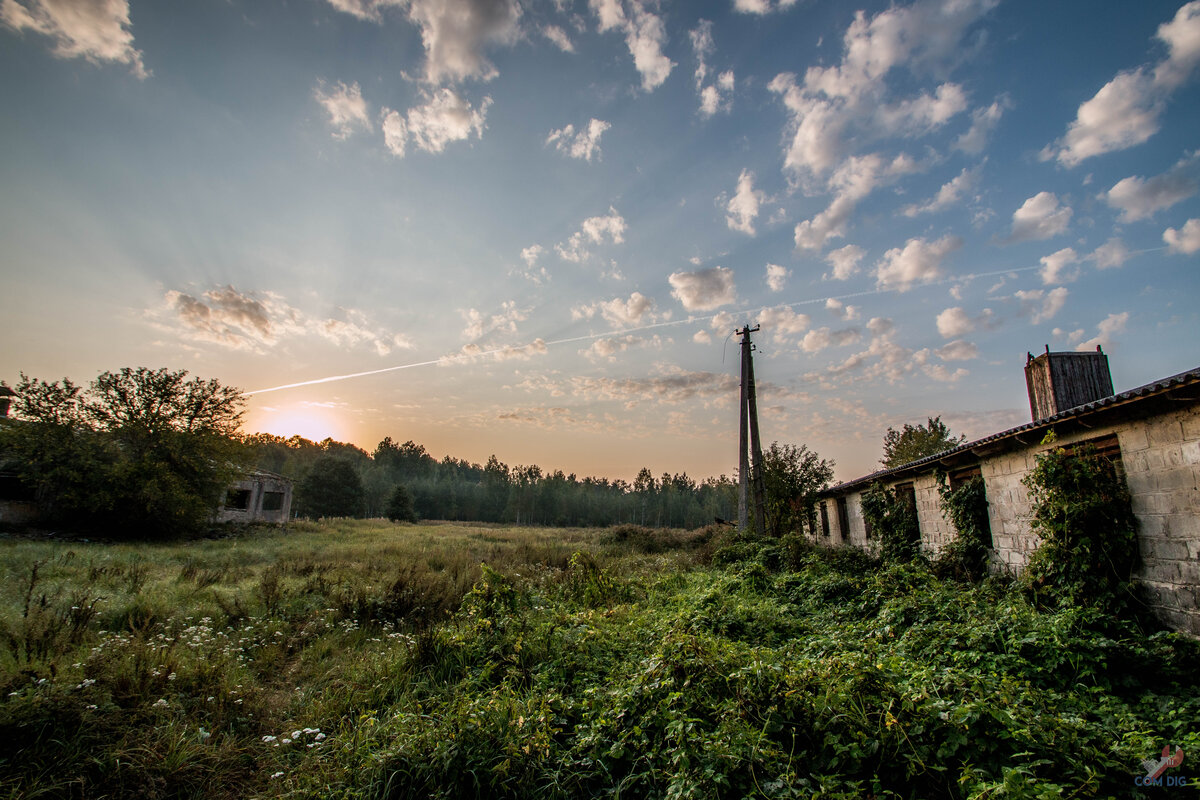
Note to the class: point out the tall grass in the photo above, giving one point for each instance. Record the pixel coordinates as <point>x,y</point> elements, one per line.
<point>362,659</point>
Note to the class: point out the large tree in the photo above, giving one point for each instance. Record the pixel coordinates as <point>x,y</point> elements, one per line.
<point>913,442</point>
<point>140,452</point>
<point>332,488</point>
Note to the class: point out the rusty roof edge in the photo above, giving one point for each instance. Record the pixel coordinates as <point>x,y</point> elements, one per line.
<point>1144,392</point>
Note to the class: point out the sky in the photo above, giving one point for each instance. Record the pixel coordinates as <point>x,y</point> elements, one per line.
<point>531,227</point>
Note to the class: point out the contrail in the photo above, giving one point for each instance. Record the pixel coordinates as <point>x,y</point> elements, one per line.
<point>451,358</point>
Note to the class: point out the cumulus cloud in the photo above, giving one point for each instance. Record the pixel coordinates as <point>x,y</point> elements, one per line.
<point>818,339</point>
<point>1059,267</point>
<point>983,121</point>
<point>617,312</point>
<point>455,33</point>
<point>606,349</point>
<point>919,261</point>
<point>258,321</point>
<point>1112,253</point>
<point>841,310</point>
<point>743,206</point>
<point>345,106</point>
<point>1185,241</point>
<point>1110,325</point>
<point>852,181</point>
<point>595,230</point>
<point>830,101</point>
<point>645,35</point>
<point>1041,305</point>
<point>1126,111</point>
<point>1039,217</point>
<point>954,322</point>
<point>96,30</point>
<point>584,143</point>
<point>1139,198</point>
<point>703,290</point>
<point>782,322</point>
<point>446,117</point>
<point>776,277</point>
<point>505,320</point>
<point>950,195</point>
<point>761,6</point>
<point>513,352</point>
<point>958,350</point>
<point>844,261</point>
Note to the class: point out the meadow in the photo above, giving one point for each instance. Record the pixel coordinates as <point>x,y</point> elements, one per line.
<point>364,659</point>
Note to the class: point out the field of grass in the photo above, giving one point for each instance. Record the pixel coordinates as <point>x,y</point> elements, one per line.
<point>363,659</point>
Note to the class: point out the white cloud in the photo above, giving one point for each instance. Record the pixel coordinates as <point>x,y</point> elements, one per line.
<point>958,350</point>
<point>455,33</point>
<point>645,35</point>
<point>1057,267</point>
<point>703,290</point>
<point>1139,198</point>
<point>841,310</point>
<point>743,206</point>
<point>513,352</point>
<point>1039,217</point>
<point>594,230</point>
<point>702,337</point>
<point>1041,305</point>
<point>923,113</point>
<point>954,322</point>
<point>833,99</point>
<point>761,6</point>
<point>582,144</point>
<point>606,349</point>
<point>918,261</point>
<point>715,96</point>
<point>1112,253</point>
<point>820,338</point>
<point>531,254</point>
<point>96,30</point>
<point>1112,324</point>
<point>983,122</point>
<point>505,321</point>
<point>345,106</point>
<point>776,277</point>
<point>1185,241</point>
<point>619,313</point>
<point>446,117</point>
<point>852,181</point>
<point>950,195</point>
<point>257,321</point>
<point>845,261</point>
<point>782,322</point>
<point>559,37</point>
<point>1126,110</point>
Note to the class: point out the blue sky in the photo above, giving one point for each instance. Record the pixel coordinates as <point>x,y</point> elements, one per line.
<point>529,228</point>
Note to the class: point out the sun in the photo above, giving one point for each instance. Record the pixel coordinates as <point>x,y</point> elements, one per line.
<point>313,421</point>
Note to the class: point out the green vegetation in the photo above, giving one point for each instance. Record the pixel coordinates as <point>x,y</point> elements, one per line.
<point>965,507</point>
<point>363,660</point>
<point>142,453</point>
<point>913,442</point>
<point>1083,514</point>
<point>891,516</point>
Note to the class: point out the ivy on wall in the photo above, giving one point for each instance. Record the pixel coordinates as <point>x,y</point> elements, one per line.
<point>965,507</point>
<point>893,520</point>
<point>1083,513</point>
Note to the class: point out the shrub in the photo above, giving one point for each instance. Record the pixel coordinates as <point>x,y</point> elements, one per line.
<point>400,505</point>
<point>965,508</point>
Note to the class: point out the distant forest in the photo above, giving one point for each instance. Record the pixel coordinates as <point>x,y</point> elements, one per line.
<point>456,489</point>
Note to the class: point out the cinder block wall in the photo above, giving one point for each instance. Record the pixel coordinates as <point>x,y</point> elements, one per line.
<point>1161,457</point>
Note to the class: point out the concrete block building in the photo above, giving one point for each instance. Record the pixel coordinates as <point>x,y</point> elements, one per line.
<point>1152,433</point>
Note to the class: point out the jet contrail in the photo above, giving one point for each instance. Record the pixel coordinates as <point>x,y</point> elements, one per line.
<point>451,358</point>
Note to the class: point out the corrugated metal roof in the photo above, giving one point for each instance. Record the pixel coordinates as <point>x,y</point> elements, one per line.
<point>1142,392</point>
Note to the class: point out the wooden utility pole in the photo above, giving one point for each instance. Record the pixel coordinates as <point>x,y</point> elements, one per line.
<point>749,452</point>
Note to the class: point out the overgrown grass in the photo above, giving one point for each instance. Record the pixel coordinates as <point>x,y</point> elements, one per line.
<point>360,659</point>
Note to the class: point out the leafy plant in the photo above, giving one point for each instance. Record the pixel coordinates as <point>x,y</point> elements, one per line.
<point>893,521</point>
<point>1083,513</point>
<point>966,557</point>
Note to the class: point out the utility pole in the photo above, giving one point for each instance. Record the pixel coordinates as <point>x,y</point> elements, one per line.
<point>749,452</point>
